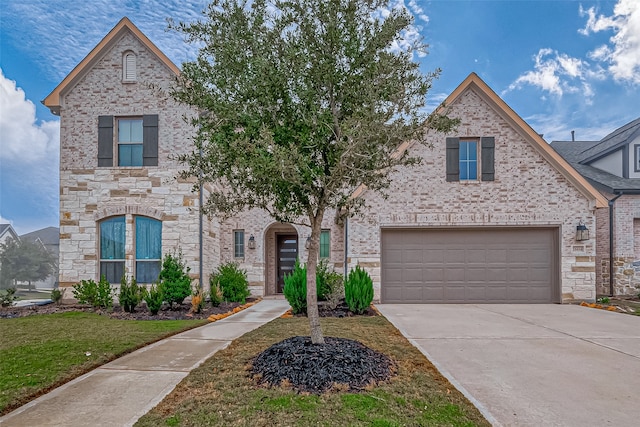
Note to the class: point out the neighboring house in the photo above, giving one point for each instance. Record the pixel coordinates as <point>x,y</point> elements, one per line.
<point>7,232</point>
<point>489,216</point>
<point>49,238</point>
<point>612,165</point>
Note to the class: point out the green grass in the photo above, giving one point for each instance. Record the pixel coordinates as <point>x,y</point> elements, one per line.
<point>43,351</point>
<point>220,392</point>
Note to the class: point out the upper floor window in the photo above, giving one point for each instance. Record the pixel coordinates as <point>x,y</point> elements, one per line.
<point>468,160</point>
<point>464,162</point>
<point>129,142</point>
<point>325,243</point>
<point>134,144</point>
<point>129,67</point>
<point>637,158</point>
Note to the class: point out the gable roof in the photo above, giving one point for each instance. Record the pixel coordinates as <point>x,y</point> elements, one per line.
<point>476,84</point>
<point>612,142</point>
<point>48,236</point>
<point>8,229</point>
<point>53,100</point>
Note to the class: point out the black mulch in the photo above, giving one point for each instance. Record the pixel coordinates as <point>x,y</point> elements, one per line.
<point>342,363</point>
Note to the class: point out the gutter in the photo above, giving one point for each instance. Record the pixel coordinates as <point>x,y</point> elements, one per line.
<point>611,202</point>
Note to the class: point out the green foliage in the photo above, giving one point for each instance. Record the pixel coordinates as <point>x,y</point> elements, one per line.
<point>174,279</point>
<point>24,261</point>
<point>7,297</point>
<point>232,281</point>
<point>154,298</point>
<point>130,294</point>
<point>330,284</point>
<point>215,293</point>
<point>603,300</point>
<point>99,295</point>
<point>358,290</point>
<point>295,288</point>
<point>57,295</point>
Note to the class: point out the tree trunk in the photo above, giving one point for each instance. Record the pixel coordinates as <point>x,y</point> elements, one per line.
<point>312,295</point>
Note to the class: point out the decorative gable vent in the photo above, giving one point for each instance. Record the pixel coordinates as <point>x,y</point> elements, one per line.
<point>129,67</point>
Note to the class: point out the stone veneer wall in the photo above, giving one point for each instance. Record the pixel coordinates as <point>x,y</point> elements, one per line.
<point>626,246</point>
<point>527,191</point>
<point>89,194</point>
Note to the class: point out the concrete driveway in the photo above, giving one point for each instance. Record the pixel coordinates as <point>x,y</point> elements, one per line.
<point>532,365</point>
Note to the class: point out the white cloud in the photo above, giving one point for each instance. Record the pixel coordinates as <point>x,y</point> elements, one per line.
<point>29,151</point>
<point>622,54</point>
<point>557,73</point>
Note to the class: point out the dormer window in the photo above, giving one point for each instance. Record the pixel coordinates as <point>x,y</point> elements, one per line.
<point>129,67</point>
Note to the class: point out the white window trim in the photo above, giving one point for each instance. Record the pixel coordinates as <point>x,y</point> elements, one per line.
<point>129,67</point>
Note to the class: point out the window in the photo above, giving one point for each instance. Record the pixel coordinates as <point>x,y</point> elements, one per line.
<point>129,142</point>
<point>112,239</point>
<point>238,243</point>
<point>136,142</point>
<point>148,249</point>
<point>637,157</point>
<point>129,67</point>
<point>464,162</point>
<point>325,243</point>
<point>468,160</point>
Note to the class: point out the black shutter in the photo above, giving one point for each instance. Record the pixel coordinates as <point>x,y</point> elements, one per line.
<point>105,141</point>
<point>453,159</point>
<point>487,156</point>
<point>150,140</point>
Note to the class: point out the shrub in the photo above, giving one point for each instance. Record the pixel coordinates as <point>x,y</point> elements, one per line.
<point>57,295</point>
<point>232,282</point>
<point>175,282</point>
<point>198,300</point>
<point>154,298</point>
<point>96,294</point>
<point>7,297</point>
<point>323,272</point>
<point>215,294</point>
<point>358,290</point>
<point>335,289</point>
<point>295,289</point>
<point>130,294</point>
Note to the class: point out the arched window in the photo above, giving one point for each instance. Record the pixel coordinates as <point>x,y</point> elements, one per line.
<point>148,249</point>
<point>129,67</point>
<point>112,242</point>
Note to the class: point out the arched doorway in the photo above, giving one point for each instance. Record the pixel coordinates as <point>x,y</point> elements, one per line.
<point>281,252</point>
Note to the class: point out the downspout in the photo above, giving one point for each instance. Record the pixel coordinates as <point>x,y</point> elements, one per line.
<point>346,246</point>
<point>611,202</point>
<point>201,281</point>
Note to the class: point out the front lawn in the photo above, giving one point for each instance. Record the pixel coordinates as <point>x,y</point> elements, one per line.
<point>220,392</point>
<point>40,352</point>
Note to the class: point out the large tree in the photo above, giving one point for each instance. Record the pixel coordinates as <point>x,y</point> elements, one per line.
<point>24,262</point>
<point>302,102</point>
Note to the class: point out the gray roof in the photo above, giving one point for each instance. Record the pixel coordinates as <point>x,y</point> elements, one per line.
<point>612,142</point>
<point>7,228</point>
<point>48,236</point>
<point>576,152</point>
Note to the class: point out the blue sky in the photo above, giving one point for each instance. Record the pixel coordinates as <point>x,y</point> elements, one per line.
<point>562,65</point>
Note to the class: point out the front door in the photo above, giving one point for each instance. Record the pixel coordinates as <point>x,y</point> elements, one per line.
<point>287,254</point>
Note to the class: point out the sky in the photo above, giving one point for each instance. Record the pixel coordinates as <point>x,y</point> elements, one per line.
<point>562,65</point>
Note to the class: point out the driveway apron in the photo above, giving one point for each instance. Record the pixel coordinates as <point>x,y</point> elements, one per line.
<point>120,392</point>
<point>532,365</point>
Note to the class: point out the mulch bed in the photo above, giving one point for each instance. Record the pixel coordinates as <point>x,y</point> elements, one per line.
<point>340,364</point>
<point>182,312</point>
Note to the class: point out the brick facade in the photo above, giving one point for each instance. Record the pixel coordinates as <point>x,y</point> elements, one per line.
<point>527,191</point>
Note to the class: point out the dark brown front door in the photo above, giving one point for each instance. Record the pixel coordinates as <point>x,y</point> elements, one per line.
<point>287,255</point>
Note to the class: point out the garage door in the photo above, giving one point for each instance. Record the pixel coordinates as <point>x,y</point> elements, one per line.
<point>504,265</point>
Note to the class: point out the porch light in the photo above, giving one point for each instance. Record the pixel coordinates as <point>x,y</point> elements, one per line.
<point>582,232</point>
<point>307,243</point>
<point>252,242</point>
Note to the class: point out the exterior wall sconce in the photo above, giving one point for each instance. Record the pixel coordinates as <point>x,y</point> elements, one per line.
<point>252,242</point>
<point>582,232</point>
<point>307,243</point>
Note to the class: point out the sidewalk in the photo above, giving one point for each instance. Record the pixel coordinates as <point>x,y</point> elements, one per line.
<point>120,392</point>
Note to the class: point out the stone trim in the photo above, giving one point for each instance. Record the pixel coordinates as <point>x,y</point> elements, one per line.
<point>110,211</point>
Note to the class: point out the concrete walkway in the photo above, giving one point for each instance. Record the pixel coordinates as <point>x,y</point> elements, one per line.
<point>532,365</point>
<point>120,392</point>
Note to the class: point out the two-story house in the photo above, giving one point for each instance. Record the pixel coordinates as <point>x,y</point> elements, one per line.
<point>612,165</point>
<point>489,216</point>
